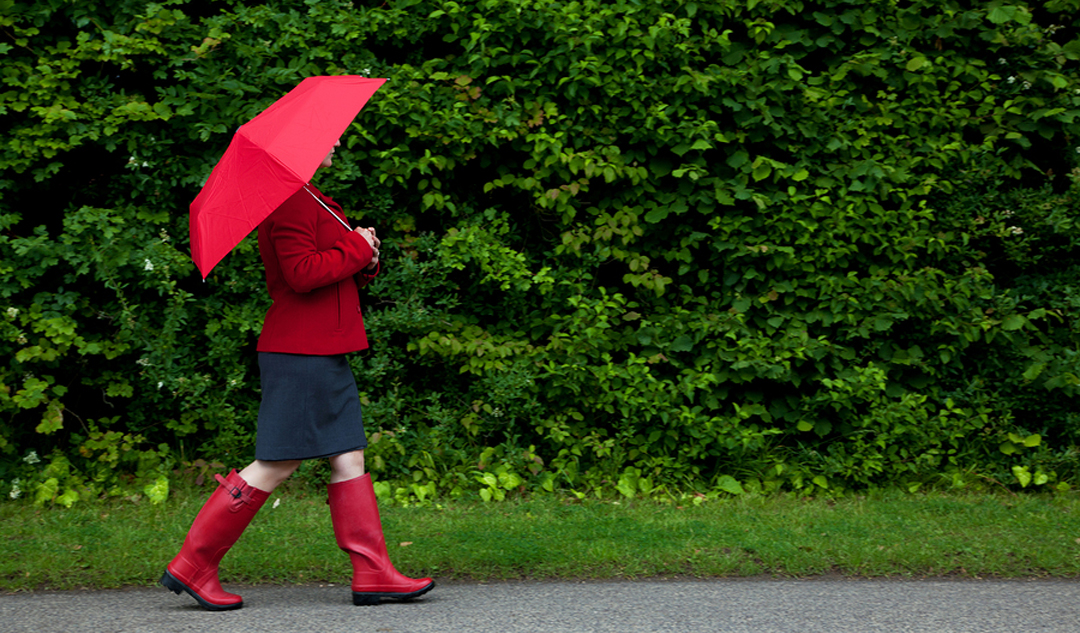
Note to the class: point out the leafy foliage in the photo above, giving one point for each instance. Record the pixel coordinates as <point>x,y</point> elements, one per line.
<point>631,247</point>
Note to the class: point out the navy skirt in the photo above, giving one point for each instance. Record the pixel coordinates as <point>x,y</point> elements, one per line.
<point>310,408</point>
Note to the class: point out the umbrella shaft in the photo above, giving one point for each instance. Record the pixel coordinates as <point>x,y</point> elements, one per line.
<point>331,211</point>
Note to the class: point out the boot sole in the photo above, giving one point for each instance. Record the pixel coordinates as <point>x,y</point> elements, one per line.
<point>171,583</point>
<point>372,598</point>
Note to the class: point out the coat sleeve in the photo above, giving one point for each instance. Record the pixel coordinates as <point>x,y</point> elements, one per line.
<point>365,277</point>
<point>293,234</point>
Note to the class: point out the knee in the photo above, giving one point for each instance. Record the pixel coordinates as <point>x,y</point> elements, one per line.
<point>347,466</point>
<point>280,471</point>
<point>266,475</point>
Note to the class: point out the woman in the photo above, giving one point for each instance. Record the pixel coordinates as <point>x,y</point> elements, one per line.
<point>310,407</point>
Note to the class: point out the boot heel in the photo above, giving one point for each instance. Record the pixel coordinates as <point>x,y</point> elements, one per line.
<point>171,583</point>
<point>364,599</point>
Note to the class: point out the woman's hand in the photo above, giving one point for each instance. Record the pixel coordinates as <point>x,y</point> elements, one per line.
<point>368,233</point>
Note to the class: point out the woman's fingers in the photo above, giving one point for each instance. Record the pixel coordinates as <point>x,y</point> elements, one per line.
<point>367,235</point>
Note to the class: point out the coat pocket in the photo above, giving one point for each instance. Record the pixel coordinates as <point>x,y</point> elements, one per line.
<point>337,294</point>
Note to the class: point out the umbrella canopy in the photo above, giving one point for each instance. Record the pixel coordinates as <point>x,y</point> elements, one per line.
<point>269,159</point>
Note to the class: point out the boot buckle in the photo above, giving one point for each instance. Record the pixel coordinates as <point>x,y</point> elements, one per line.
<point>239,494</point>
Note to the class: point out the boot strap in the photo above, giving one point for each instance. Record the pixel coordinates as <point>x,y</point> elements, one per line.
<point>239,494</point>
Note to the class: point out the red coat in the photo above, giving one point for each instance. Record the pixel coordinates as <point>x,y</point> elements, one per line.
<point>313,272</point>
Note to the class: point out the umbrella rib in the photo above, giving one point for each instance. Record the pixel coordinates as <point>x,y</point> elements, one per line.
<point>343,223</point>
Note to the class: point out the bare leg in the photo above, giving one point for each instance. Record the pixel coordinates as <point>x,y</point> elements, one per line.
<point>346,466</point>
<point>266,475</point>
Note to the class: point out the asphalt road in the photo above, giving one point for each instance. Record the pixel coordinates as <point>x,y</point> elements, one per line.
<point>758,606</point>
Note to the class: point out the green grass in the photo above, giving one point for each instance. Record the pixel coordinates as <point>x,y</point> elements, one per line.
<point>120,543</point>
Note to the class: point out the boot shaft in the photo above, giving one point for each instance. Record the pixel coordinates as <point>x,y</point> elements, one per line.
<point>220,522</point>
<point>354,512</point>
<point>223,518</point>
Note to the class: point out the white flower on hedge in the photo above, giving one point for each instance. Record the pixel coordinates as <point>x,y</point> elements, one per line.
<point>160,385</point>
<point>14,312</point>
<point>143,361</point>
<point>16,492</point>
<point>148,265</point>
<point>32,458</point>
<point>1012,79</point>
<point>1016,230</point>
<point>1027,84</point>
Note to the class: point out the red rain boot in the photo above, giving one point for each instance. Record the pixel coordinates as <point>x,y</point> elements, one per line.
<point>355,514</point>
<point>219,524</point>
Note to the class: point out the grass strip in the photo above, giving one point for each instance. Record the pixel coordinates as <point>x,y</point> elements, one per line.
<point>119,543</point>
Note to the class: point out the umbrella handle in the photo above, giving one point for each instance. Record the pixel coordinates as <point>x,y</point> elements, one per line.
<point>343,222</point>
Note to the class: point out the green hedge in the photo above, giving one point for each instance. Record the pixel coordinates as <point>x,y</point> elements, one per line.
<point>632,247</point>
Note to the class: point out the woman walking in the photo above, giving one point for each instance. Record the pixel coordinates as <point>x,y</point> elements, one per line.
<point>310,407</point>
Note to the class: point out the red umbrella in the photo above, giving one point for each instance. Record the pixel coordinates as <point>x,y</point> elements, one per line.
<point>269,159</point>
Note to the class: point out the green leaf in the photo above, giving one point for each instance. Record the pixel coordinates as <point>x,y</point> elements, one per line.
<point>915,63</point>
<point>1022,475</point>
<point>421,492</point>
<point>729,484</point>
<point>1033,371</point>
<point>1001,14</point>
<point>657,214</point>
<point>158,491</point>
<point>53,418</point>
<point>46,491</point>
<point>69,498</point>
<point>682,344</point>
<point>762,171</point>
<point>383,490</point>
<point>738,159</point>
<point>1013,322</point>
<point>510,481</point>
